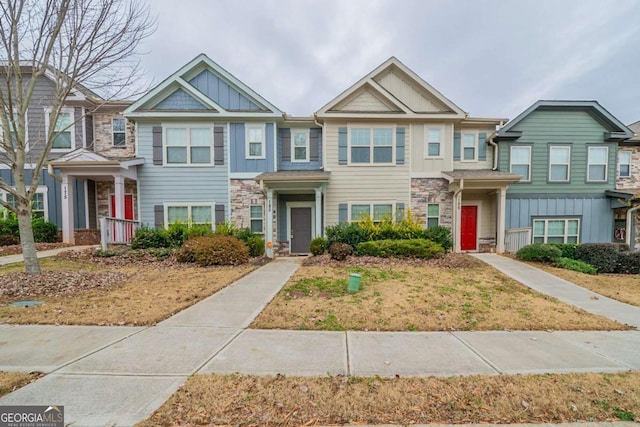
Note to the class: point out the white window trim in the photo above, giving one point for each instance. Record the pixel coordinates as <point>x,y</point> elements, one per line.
<point>113,140</point>
<point>188,205</point>
<point>26,133</point>
<point>427,217</point>
<point>426,141</point>
<point>187,127</point>
<point>307,134</point>
<point>371,204</point>
<point>72,128</point>
<point>256,219</point>
<point>42,189</point>
<point>261,126</point>
<point>528,147</point>
<point>475,147</point>
<point>546,220</point>
<point>371,153</point>
<point>630,153</point>
<point>567,164</point>
<point>606,163</point>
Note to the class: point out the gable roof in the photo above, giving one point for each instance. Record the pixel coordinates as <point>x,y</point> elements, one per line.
<point>617,130</point>
<point>390,90</point>
<point>182,87</point>
<point>635,128</point>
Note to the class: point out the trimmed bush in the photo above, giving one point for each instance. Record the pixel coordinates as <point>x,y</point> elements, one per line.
<point>628,263</point>
<point>186,253</point>
<point>568,250</point>
<point>603,256</point>
<point>541,252</point>
<point>177,233</point>
<point>9,226</point>
<point>348,233</point>
<point>255,244</point>
<point>146,238</point>
<point>414,248</point>
<point>198,230</point>
<point>340,251</point>
<point>214,250</point>
<point>575,265</point>
<point>440,235</point>
<point>44,231</point>
<point>318,246</point>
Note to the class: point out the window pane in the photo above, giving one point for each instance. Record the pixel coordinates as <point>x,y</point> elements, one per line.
<point>62,140</point>
<point>597,173</point>
<point>381,212</point>
<point>624,157</point>
<point>432,222</point>
<point>200,155</point>
<point>433,135</point>
<point>559,173</point>
<point>559,239</point>
<point>520,155</point>
<point>538,228</point>
<point>176,155</point>
<point>434,149</point>
<point>255,135</point>
<point>522,170</point>
<point>119,139</point>
<point>201,214</point>
<point>177,213</point>
<point>469,153</point>
<point>300,153</point>
<point>572,239</point>
<point>360,155</point>
<point>118,125</point>
<point>598,155</point>
<point>299,139</point>
<point>538,240</point>
<point>555,227</point>
<point>255,149</point>
<point>572,227</point>
<point>64,121</point>
<point>256,212</point>
<point>256,226</point>
<point>382,137</point>
<point>201,137</point>
<point>468,140</point>
<point>624,170</point>
<point>360,212</point>
<point>433,209</point>
<point>37,203</point>
<point>360,137</point>
<point>559,155</point>
<point>177,137</point>
<point>382,154</point>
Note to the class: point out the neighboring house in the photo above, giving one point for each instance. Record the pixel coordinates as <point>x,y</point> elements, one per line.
<point>566,153</point>
<point>393,142</point>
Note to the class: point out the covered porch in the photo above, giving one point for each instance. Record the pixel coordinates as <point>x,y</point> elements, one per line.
<point>626,217</point>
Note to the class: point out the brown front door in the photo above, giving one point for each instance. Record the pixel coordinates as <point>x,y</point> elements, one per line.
<point>300,230</point>
<point>469,228</point>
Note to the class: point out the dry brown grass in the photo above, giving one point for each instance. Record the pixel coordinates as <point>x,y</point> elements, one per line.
<point>296,401</point>
<point>407,297</point>
<point>11,381</point>
<point>150,294</point>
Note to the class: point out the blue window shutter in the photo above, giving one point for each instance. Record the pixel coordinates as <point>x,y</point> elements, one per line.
<point>482,146</point>
<point>157,145</point>
<point>158,216</point>
<point>285,134</point>
<point>219,215</point>
<point>399,212</point>
<point>342,146</point>
<point>343,213</point>
<point>456,145</point>
<point>314,144</point>
<point>399,146</point>
<point>218,145</point>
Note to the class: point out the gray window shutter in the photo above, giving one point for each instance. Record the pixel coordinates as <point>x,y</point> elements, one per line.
<point>219,214</point>
<point>157,145</point>
<point>218,145</point>
<point>456,145</point>
<point>314,145</point>
<point>482,146</point>
<point>399,212</point>
<point>158,216</point>
<point>342,146</point>
<point>399,146</point>
<point>343,213</point>
<point>286,144</point>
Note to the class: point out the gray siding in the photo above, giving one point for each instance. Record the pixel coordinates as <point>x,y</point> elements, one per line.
<point>180,100</point>
<point>282,211</point>
<point>596,215</point>
<point>238,160</point>
<point>222,93</point>
<point>288,165</point>
<point>158,184</point>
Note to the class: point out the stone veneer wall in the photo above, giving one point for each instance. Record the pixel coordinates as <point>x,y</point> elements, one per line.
<point>244,193</point>
<point>103,191</point>
<point>103,136</point>
<point>431,190</point>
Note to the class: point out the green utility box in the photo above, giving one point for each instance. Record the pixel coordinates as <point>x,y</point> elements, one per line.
<point>354,282</point>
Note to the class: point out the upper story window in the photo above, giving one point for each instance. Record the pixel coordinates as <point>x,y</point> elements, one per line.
<point>63,130</point>
<point>434,142</point>
<point>300,146</point>
<point>624,163</point>
<point>371,145</point>
<point>597,160</point>
<point>520,162</point>
<point>188,145</point>
<point>119,131</point>
<point>469,147</point>
<point>12,131</point>
<point>255,141</point>
<point>559,163</point>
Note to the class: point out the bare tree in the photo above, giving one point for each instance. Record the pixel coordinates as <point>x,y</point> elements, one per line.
<point>76,44</point>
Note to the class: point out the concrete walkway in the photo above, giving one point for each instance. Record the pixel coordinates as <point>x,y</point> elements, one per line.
<point>120,375</point>
<point>10,259</point>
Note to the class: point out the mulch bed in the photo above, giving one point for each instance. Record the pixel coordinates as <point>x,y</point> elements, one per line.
<point>57,283</point>
<point>449,260</point>
<point>17,249</point>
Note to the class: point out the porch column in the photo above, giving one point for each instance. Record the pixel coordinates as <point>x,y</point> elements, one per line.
<point>318,213</point>
<point>502,203</point>
<point>67,210</point>
<point>457,212</point>
<point>119,184</point>
<point>269,219</point>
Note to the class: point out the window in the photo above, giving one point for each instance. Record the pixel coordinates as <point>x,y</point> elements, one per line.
<point>520,158</point>
<point>38,203</point>
<point>12,130</point>
<point>433,215</point>
<point>190,213</point>
<point>552,230</point>
<point>382,212</point>
<point>371,145</point>
<point>597,160</point>
<point>188,145</point>
<point>624,163</point>
<point>559,159</point>
<point>378,212</point>
<point>255,142</point>
<point>360,212</point>
<point>119,129</point>
<point>469,147</point>
<point>434,136</point>
<point>300,146</point>
<point>63,130</point>
<point>256,219</point>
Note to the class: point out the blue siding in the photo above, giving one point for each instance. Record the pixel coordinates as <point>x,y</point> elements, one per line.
<point>238,160</point>
<point>180,100</point>
<point>222,93</point>
<point>596,224</point>
<point>288,165</point>
<point>282,211</point>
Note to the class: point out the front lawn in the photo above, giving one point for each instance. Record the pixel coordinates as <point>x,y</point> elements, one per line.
<point>456,292</point>
<point>11,381</point>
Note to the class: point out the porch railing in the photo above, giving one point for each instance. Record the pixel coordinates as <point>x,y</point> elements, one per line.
<point>516,238</point>
<point>117,231</point>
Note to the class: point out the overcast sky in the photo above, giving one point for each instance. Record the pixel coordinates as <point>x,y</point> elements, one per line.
<point>493,58</point>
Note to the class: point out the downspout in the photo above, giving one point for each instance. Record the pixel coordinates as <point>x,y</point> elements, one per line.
<point>458,213</point>
<point>629,224</point>
<point>50,171</point>
<point>495,150</point>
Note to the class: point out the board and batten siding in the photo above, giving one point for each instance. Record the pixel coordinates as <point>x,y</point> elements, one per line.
<point>239,162</point>
<point>159,184</point>
<point>420,163</point>
<point>225,95</point>
<point>575,128</point>
<point>362,183</point>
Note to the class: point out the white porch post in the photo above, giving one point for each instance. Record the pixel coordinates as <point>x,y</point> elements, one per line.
<point>502,199</point>
<point>457,213</point>
<point>318,213</point>
<point>119,184</point>
<point>269,220</point>
<point>67,210</point>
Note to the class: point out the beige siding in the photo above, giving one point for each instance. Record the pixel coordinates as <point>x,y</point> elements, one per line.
<point>420,164</point>
<point>361,183</point>
<point>485,164</point>
<point>416,99</point>
<point>365,101</point>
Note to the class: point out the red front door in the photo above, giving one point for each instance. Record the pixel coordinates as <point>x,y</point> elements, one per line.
<point>128,206</point>
<point>469,228</point>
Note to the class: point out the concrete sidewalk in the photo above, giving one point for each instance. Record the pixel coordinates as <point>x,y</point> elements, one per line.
<point>10,259</point>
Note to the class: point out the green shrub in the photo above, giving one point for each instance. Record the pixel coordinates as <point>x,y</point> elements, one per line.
<point>150,238</point>
<point>186,253</point>
<point>414,248</point>
<point>214,250</point>
<point>255,244</point>
<point>568,250</point>
<point>575,265</point>
<point>348,233</point>
<point>318,246</point>
<point>44,231</point>
<point>198,230</point>
<point>9,226</point>
<point>628,263</point>
<point>226,228</point>
<point>340,251</point>
<point>541,252</point>
<point>603,256</point>
<point>8,240</point>
<point>177,233</point>
<point>440,235</point>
